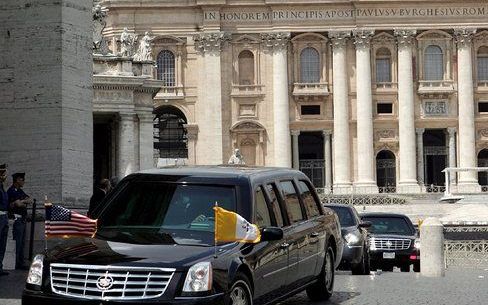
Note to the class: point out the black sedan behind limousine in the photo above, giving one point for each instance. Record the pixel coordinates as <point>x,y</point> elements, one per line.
<point>155,243</point>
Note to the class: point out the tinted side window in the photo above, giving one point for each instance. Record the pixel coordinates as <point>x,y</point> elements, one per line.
<point>261,213</point>
<point>275,204</point>
<point>308,200</point>
<point>292,203</point>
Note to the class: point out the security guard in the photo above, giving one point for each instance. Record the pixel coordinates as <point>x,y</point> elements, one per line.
<point>18,203</point>
<point>4,204</point>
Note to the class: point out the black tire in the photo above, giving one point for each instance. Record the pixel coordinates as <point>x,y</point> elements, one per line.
<point>322,290</point>
<point>240,289</point>
<point>416,267</point>
<point>363,267</point>
<point>405,268</point>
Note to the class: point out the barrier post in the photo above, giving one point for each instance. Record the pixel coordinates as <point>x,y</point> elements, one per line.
<point>432,248</point>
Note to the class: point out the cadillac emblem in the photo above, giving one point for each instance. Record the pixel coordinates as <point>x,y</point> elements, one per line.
<point>105,282</point>
<point>389,244</point>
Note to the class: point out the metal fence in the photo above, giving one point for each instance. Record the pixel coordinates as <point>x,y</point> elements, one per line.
<point>374,199</point>
<point>466,253</point>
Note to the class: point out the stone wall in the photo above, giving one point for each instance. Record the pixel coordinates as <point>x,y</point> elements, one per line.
<point>46,96</point>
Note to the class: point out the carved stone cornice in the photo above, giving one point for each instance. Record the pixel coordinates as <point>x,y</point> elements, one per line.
<point>362,38</point>
<point>405,37</point>
<point>210,42</point>
<point>464,36</point>
<point>339,38</point>
<point>276,41</point>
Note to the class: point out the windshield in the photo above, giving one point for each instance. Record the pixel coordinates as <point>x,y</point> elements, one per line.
<point>180,212</point>
<point>346,218</point>
<point>389,225</point>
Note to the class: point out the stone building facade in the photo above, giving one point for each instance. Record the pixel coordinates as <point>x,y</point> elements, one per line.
<point>361,95</point>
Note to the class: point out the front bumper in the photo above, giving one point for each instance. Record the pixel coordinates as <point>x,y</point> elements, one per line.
<point>351,255</point>
<point>30,297</point>
<point>402,257</point>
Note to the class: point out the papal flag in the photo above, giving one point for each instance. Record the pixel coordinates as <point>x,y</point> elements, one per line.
<point>231,227</point>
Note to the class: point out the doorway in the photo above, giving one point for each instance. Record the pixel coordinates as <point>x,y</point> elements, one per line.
<point>435,157</point>
<point>483,162</point>
<point>386,171</point>
<point>103,149</point>
<point>311,156</point>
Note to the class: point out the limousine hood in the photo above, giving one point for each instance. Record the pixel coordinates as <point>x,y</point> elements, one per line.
<point>93,251</point>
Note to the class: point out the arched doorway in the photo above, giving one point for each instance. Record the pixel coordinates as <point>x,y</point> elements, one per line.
<point>386,171</point>
<point>170,139</point>
<point>483,162</point>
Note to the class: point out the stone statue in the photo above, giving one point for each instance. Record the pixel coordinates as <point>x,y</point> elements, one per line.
<point>236,158</point>
<point>100,44</point>
<point>144,52</point>
<point>127,41</point>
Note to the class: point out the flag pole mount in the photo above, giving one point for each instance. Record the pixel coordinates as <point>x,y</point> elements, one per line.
<point>215,228</point>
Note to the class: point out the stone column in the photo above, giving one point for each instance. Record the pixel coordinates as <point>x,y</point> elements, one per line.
<point>366,177</point>
<point>126,149</point>
<point>146,140</point>
<point>192,136</point>
<point>467,140</point>
<point>328,160</point>
<point>406,114</point>
<point>278,43</point>
<point>209,45</point>
<point>452,152</point>
<point>420,155</point>
<point>296,152</point>
<point>342,147</point>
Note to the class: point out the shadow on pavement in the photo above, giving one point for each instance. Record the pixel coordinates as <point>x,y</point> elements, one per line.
<point>12,285</point>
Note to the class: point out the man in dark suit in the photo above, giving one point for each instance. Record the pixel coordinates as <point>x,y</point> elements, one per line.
<point>100,191</point>
<point>4,205</point>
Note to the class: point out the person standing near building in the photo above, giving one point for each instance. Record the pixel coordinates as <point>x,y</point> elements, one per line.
<point>3,216</point>
<point>102,189</point>
<point>18,203</point>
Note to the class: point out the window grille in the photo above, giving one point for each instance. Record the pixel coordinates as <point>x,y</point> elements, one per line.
<point>309,66</point>
<point>483,64</point>
<point>171,139</point>
<point>433,63</point>
<point>166,68</point>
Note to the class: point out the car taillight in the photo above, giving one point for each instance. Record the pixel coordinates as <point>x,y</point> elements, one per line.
<point>414,256</point>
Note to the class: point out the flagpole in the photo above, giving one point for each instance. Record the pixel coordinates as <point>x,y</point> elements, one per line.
<point>215,229</point>
<point>46,204</point>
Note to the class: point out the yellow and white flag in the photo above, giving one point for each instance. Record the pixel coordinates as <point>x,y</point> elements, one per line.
<point>230,227</point>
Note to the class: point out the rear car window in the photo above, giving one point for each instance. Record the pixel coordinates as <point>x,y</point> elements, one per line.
<point>291,200</point>
<point>275,205</point>
<point>261,214</point>
<point>346,217</point>
<point>389,225</point>
<point>308,200</point>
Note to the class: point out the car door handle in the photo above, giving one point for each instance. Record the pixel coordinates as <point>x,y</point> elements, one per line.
<point>314,234</point>
<point>284,245</point>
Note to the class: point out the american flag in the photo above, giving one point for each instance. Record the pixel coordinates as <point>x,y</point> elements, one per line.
<point>63,222</point>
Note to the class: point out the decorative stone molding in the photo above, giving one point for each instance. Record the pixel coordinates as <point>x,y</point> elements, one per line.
<point>383,39</point>
<point>385,134</point>
<point>295,132</point>
<point>339,38</point>
<point>405,37</point>
<point>483,134</point>
<point>127,43</point>
<point>326,132</point>
<point>276,41</point>
<point>210,42</point>
<point>435,108</point>
<point>464,36</point>
<point>362,38</point>
<point>419,131</point>
<point>451,131</point>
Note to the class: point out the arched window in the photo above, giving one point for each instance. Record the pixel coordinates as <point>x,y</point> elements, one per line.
<point>483,64</point>
<point>433,63</point>
<point>309,65</point>
<point>166,68</point>
<point>383,65</point>
<point>246,68</point>
<point>171,140</point>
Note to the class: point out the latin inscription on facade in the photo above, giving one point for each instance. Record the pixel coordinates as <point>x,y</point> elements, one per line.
<point>435,108</point>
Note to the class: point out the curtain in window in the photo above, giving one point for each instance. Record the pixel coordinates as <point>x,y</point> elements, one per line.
<point>483,64</point>
<point>309,66</point>
<point>433,63</point>
<point>246,68</point>
<point>383,70</point>
<point>166,68</point>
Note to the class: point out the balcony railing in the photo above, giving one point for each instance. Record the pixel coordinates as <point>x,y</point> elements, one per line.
<point>483,85</point>
<point>247,90</point>
<point>170,92</point>
<point>386,86</point>
<point>310,89</point>
<point>436,86</point>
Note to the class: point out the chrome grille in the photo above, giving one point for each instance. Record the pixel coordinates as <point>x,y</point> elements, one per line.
<point>109,282</point>
<point>390,243</point>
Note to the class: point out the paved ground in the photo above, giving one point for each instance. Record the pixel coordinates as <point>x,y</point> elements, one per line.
<point>459,287</point>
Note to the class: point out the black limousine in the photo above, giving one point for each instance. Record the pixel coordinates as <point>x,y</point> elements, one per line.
<point>155,243</point>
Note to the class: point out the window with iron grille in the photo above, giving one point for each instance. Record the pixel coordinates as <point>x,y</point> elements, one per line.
<point>433,63</point>
<point>383,66</point>
<point>172,138</point>
<point>166,68</point>
<point>309,66</point>
<point>483,64</point>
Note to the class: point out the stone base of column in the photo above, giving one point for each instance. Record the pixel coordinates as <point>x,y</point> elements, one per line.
<point>365,188</point>
<point>342,188</point>
<point>408,188</point>
<point>466,187</point>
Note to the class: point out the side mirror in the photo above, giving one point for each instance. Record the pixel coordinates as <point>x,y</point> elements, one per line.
<point>365,224</point>
<point>271,233</point>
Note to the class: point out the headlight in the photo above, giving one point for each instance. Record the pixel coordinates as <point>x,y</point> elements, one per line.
<point>35,271</point>
<point>416,244</point>
<point>351,238</point>
<point>199,278</point>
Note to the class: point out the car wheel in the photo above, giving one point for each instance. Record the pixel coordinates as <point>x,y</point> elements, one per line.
<point>240,293</point>
<point>405,268</point>
<point>416,267</point>
<point>323,288</point>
